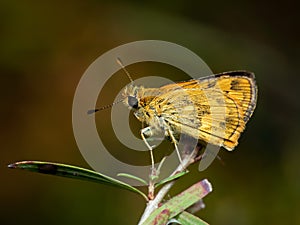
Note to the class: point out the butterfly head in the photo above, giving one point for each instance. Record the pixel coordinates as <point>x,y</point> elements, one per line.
<point>130,96</point>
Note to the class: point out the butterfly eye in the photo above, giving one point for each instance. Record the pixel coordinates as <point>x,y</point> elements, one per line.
<point>133,102</point>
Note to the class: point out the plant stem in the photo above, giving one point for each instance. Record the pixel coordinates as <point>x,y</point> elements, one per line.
<point>153,204</point>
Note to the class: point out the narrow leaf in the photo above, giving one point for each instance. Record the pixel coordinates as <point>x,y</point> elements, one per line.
<point>168,179</point>
<point>190,219</point>
<point>182,201</point>
<point>74,172</point>
<point>162,218</point>
<point>132,177</point>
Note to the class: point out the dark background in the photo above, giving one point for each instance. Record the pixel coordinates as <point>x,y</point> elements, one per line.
<point>45,47</point>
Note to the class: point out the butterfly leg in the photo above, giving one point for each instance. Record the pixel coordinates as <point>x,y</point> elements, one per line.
<point>175,143</point>
<point>153,175</point>
<point>147,131</point>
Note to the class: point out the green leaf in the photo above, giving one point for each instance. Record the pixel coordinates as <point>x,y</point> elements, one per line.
<point>74,172</point>
<point>186,218</point>
<point>162,218</point>
<point>168,179</point>
<point>182,201</point>
<point>132,177</point>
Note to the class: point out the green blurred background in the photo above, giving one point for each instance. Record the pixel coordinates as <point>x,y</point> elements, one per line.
<point>45,48</point>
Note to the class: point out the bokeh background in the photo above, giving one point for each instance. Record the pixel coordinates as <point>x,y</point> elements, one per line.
<point>45,47</point>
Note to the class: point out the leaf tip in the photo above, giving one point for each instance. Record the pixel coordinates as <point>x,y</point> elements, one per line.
<point>12,166</point>
<point>18,165</point>
<point>206,185</point>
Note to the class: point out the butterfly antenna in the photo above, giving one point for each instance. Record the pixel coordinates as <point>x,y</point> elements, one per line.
<point>119,61</point>
<point>91,111</point>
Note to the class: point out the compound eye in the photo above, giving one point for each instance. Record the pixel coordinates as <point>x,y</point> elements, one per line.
<point>133,102</point>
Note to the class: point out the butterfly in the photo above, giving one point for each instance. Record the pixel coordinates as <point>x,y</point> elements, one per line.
<point>212,109</point>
